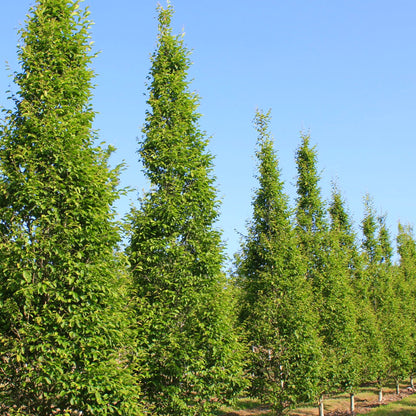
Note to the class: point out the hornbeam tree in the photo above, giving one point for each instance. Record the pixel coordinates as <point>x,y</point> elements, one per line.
<point>276,297</point>
<point>311,224</point>
<point>312,232</point>
<point>394,304</point>
<point>339,317</point>
<point>371,290</point>
<point>63,326</point>
<point>406,247</point>
<point>176,254</point>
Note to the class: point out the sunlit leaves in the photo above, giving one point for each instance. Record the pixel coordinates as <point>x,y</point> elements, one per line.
<point>185,322</point>
<point>276,298</point>
<point>64,329</point>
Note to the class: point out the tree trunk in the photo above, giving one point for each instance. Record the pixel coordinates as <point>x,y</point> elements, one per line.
<point>380,395</point>
<point>397,387</point>
<point>321,406</point>
<point>352,403</point>
<point>411,381</point>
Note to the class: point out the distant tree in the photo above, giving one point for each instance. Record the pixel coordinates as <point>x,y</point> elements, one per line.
<point>276,306</point>
<point>394,302</point>
<point>63,324</point>
<point>311,222</point>
<point>340,222</point>
<point>310,210</point>
<point>176,254</point>
<point>406,248</point>
<point>312,232</point>
<point>406,286</point>
<point>372,295</point>
<point>339,315</point>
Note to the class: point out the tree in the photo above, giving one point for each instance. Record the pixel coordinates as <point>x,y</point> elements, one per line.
<point>312,232</point>
<point>393,306</point>
<point>63,325</point>
<point>372,296</point>
<point>175,251</point>
<point>339,315</point>
<point>311,224</point>
<point>406,283</point>
<point>406,248</point>
<point>276,297</point>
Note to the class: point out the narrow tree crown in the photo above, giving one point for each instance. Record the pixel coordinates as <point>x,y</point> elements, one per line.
<point>175,252</point>
<point>310,210</point>
<point>62,323</point>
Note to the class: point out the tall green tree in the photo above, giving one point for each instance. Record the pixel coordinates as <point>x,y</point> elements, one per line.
<point>394,304</point>
<point>276,297</point>
<point>63,326</point>
<point>372,296</point>
<point>312,231</point>
<point>175,251</point>
<point>311,222</point>
<point>406,248</point>
<point>406,284</point>
<point>339,314</point>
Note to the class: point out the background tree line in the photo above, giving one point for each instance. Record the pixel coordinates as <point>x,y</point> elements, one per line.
<point>88,326</point>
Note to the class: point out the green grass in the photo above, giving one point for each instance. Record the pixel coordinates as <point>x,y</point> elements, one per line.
<point>405,407</point>
<point>365,395</point>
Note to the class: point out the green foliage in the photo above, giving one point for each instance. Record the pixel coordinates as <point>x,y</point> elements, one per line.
<point>369,228</point>
<point>395,305</point>
<point>276,297</point>
<point>176,254</point>
<point>406,287</point>
<point>312,233</point>
<point>376,292</point>
<point>311,224</point>
<point>331,257</point>
<point>406,248</point>
<point>310,214</point>
<point>63,325</point>
<point>339,326</point>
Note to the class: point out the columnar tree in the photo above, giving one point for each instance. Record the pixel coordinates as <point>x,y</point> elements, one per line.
<point>62,323</point>
<point>176,254</point>
<point>394,304</point>
<point>312,232</point>
<point>277,298</point>
<point>371,289</point>
<point>311,224</point>
<point>406,247</point>
<point>339,315</point>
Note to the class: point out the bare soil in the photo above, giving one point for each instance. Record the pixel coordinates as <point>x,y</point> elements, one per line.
<point>337,406</point>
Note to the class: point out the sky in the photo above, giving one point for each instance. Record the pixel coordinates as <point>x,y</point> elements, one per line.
<point>342,70</point>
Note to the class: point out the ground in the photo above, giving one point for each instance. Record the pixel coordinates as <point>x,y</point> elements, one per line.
<point>365,401</point>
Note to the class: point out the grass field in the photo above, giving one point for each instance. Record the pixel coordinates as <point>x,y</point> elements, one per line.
<point>405,407</point>
<point>366,402</point>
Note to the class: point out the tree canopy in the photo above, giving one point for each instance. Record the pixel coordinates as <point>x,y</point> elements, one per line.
<point>63,320</point>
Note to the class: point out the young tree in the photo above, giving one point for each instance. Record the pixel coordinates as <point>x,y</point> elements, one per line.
<point>393,306</point>
<point>339,315</point>
<point>276,310</point>
<point>312,232</point>
<point>331,257</point>
<point>372,296</point>
<point>311,223</point>
<point>175,252</point>
<point>406,248</point>
<point>406,284</point>
<point>63,344</point>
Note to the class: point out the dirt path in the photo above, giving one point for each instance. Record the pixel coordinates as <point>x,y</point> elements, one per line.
<point>365,406</point>
<point>338,408</point>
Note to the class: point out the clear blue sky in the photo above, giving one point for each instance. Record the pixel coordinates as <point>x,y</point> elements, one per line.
<point>343,69</point>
